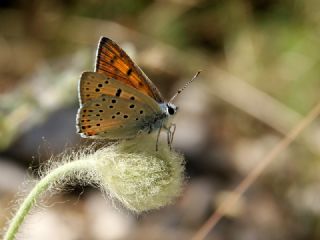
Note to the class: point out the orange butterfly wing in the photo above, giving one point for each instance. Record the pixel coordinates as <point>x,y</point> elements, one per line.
<point>93,85</point>
<point>113,62</point>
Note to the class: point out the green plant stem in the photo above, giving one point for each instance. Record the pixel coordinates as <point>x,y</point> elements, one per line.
<point>66,170</point>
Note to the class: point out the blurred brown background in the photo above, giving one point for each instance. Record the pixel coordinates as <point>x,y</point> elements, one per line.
<point>261,67</point>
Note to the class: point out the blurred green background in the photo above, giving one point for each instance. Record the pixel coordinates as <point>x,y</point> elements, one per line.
<point>261,67</point>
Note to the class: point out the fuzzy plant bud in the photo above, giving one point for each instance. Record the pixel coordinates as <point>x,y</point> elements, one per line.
<point>140,177</point>
<point>131,172</point>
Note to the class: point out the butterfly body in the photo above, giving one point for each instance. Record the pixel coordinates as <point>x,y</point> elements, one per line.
<point>118,101</point>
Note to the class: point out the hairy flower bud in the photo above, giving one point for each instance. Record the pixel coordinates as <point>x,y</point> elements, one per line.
<point>140,177</point>
<point>132,172</point>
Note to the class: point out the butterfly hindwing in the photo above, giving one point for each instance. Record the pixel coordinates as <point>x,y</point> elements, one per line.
<point>113,62</point>
<point>113,118</point>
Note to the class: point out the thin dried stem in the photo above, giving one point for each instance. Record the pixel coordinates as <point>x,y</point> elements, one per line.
<point>255,173</point>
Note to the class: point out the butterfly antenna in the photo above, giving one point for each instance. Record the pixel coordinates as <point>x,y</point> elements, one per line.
<point>185,86</point>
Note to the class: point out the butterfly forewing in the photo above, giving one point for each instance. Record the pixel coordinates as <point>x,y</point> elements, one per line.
<point>113,62</point>
<point>95,85</point>
<point>113,118</point>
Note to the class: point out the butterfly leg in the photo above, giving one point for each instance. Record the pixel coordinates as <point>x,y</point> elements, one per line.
<point>174,126</point>
<point>170,135</point>
<point>158,135</point>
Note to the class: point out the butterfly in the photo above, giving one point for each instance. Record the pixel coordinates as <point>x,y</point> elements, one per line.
<point>118,100</point>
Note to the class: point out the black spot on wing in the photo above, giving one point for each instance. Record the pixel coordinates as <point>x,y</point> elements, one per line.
<point>113,59</point>
<point>129,71</point>
<point>118,92</point>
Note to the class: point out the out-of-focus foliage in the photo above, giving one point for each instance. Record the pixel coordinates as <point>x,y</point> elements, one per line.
<point>260,62</point>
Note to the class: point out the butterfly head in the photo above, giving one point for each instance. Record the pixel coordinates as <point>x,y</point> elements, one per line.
<point>171,109</point>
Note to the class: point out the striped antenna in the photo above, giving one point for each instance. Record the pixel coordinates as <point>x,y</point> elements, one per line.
<point>185,86</point>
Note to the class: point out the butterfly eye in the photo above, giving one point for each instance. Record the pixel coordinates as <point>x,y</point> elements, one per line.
<point>171,110</point>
